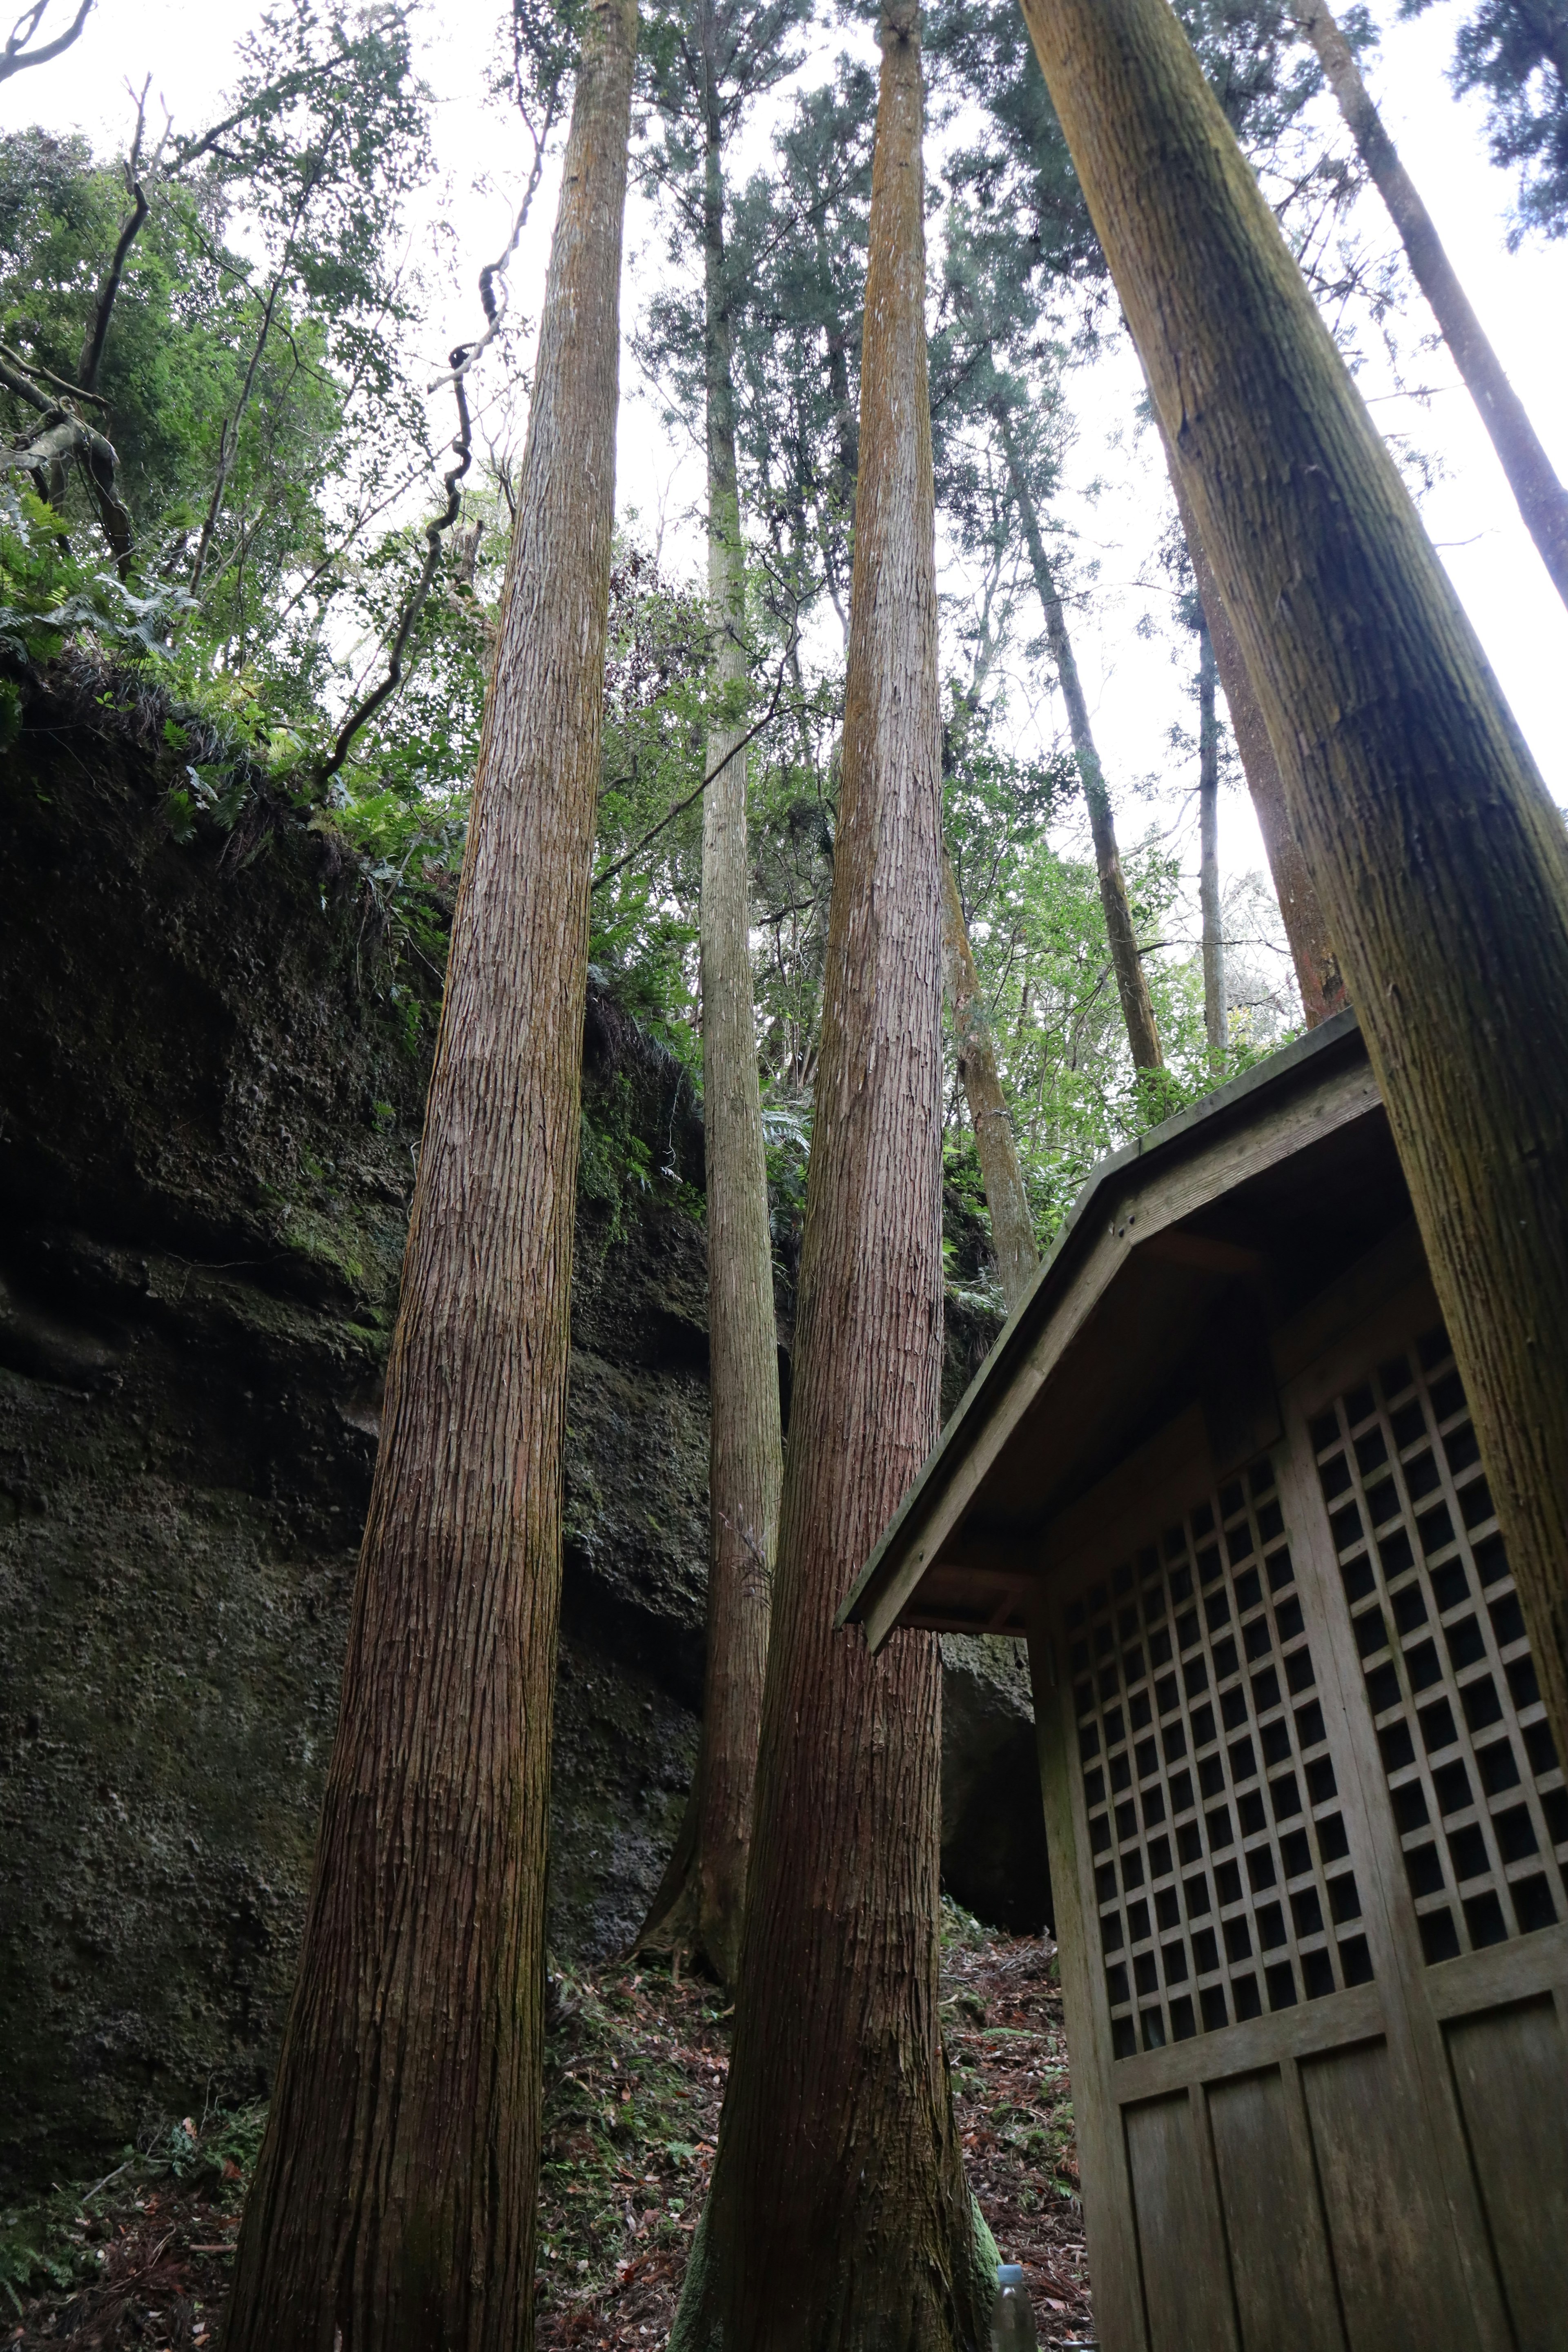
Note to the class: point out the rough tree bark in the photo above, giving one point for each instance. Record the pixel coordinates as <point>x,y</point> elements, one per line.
<point>1012,1226</point>
<point>395,2202</point>
<point>1543,500</point>
<point>1312,951</point>
<point>1132,983</point>
<point>837,2215</point>
<point>1442,864</point>
<point>701,1900</point>
<point>1216,1025</point>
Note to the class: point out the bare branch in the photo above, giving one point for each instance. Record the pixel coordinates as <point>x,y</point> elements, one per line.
<point>434,532</point>
<point>493,274</point>
<point>61,438</point>
<point>43,375</point>
<point>769,715</point>
<point>15,55</point>
<point>91,358</point>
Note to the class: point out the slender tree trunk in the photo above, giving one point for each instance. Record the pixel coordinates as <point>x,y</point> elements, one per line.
<point>1441,862</point>
<point>838,2216</point>
<point>1132,983</point>
<point>393,2205</point>
<point>1543,500</point>
<point>1216,1023</point>
<point>700,1902</point>
<point>1012,1226</point>
<point>1306,929</point>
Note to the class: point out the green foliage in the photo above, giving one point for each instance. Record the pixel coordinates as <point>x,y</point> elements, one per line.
<point>49,596</point>
<point>1515,53</point>
<point>55,2239</point>
<point>253,380</point>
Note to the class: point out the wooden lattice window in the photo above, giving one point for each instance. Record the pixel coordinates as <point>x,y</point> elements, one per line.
<point>1218,1842</point>
<point>1473,1777</point>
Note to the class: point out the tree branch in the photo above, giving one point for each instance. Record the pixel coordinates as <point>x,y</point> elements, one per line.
<point>434,531</point>
<point>680,807</point>
<point>46,375</point>
<point>16,54</point>
<point>91,358</point>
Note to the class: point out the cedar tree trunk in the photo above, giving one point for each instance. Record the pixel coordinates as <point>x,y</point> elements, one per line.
<point>1215,1022</point>
<point>838,2217</point>
<point>1441,862</point>
<point>1012,1226</point>
<point>700,1902</point>
<point>1543,500</point>
<point>394,2204</point>
<point>1312,951</point>
<point>1131,984</point>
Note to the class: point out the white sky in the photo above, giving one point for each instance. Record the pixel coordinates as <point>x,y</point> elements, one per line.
<point>1135,688</point>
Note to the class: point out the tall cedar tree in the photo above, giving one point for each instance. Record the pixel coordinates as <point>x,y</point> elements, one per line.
<point>1312,952</point>
<point>838,2215</point>
<point>974,1045</point>
<point>395,2202</point>
<point>1517,52</point>
<point>1041,242</point>
<point>800,254</point>
<point>991,304</point>
<point>1543,500</point>
<point>1217,1024</point>
<point>725,52</point>
<point>1127,962</point>
<point>1440,857</point>
<point>996,1145</point>
<point>990,301</point>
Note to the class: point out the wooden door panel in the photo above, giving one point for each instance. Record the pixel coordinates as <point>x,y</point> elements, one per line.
<point>1401,2284</point>
<point>1273,2218</point>
<point>1511,2071</point>
<point>1186,2286</point>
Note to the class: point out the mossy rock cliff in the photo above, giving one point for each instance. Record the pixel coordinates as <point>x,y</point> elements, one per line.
<point>213,1060</point>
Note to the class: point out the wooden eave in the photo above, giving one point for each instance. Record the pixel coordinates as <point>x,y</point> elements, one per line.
<point>1182,1253</point>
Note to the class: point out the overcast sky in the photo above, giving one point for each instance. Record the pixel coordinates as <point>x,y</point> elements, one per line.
<point>1136,688</point>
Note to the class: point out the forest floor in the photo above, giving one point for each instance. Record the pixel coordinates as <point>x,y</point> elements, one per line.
<point>636,2062</point>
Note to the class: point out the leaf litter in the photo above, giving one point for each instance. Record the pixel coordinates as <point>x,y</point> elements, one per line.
<point>637,2057</point>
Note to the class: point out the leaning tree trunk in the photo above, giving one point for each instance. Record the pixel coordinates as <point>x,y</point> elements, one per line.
<point>1132,983</point>
<point>838,2216</point>
<point>1215,1025</point>
<point>701,1900</point>
<point>395,2202</point>
<point>1543,500</point>
<point>1012,1226</point>
<point>1441,862</point>
<point>1301,909</point>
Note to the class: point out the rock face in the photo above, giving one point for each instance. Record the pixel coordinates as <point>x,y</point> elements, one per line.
<point>212,1070</point>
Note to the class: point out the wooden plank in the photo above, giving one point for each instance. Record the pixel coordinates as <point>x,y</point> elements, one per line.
<point>1117,1514</point>
<point>1101,2154</point>
<point>1178,1248</point>
<point>1279,2263</point>
<point>1511,2071</point>
<point>1257,2042</point>
<point>1525,1966</point>
<point>1412,2072</point>
<point>1390,1279</point>
<point>1401,2281</point>
<point>1186,2277</point>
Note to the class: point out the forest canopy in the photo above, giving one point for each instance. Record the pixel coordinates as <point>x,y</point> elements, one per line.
<point>251,302</point>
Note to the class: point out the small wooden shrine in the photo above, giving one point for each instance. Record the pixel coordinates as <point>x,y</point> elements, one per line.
<point>1307,1824</point>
